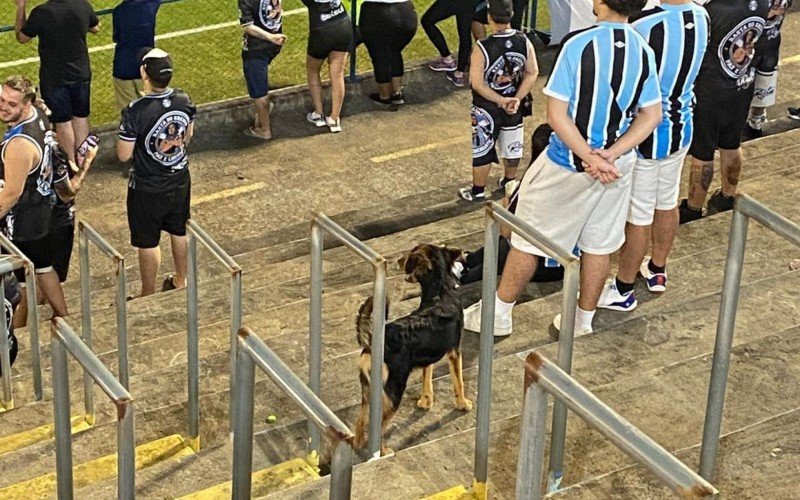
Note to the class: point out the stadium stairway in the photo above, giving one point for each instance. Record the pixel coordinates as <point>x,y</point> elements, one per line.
<point>651,365</point>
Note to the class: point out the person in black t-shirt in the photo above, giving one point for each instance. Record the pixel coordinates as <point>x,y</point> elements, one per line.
<point>154,132</point>
<point>64,75</point>
<point>262,21</point>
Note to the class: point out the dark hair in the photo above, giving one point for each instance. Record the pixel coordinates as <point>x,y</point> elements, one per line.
<point>22,85</point>
<point>626,7</point>
<point>539,140</point>
<point>501,11</point>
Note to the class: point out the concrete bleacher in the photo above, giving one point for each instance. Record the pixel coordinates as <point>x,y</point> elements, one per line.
<point>651,365</point>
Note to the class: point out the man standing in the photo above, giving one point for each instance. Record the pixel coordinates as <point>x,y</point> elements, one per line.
<point>134,27</point>
<point>155,131</point>
<point>64,75</point>
<point>27,196</point>
<point>678,32</point>
<point>724,90</point>
<point>578,191</point>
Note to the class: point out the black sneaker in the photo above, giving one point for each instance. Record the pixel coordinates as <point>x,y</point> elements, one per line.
<point>168,284</point>
<point>398,98</point>
<point>467,194</point>
<point>720,202</point>
<point>750,133</point>
<point>794,113</point>
<point>377,98</point>
<point>687,213</point>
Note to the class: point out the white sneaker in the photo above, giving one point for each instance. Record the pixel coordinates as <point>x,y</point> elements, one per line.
<point>335,126</point>
<point>579,332</point>
<point>612,299</point>
<point>316,119</point>
<point>472,321</point>
<point>656,282</point>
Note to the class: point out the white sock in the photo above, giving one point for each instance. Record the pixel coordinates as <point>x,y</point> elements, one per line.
<point>502,308</point>
<point>457,269</point>
<point>583,319</point>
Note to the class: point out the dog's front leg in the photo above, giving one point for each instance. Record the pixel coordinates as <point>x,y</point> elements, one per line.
<point>426,399</point>
<point>363,416</point>
<point>456,373</point>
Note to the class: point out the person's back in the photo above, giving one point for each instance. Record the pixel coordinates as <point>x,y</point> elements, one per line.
<point>505,55</point>
<point>134,28</point>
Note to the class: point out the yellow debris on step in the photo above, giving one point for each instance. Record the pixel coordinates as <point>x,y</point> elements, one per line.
<point>459,493</point>
<point>166,448</point>
<point>266,481</point>
<point>30,437</point>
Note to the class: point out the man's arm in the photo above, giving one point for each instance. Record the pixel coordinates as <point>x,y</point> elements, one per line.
<point>124,149</point>
<point>477,65</point>
<point>276,38</point>
<point>189,134</point>
<point>67,188</point>
<point>531,73</point>
<point>645,121</point>
<point>19,22</point>
<point>95,29</point>
<point>19,156</point>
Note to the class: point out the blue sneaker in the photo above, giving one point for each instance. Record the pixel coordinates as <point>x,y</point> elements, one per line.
<point>612,299</point>
<point>656,282</point>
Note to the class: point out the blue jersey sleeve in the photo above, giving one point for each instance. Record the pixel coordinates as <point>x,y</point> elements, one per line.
<point>562,84</point>
<point>651,90</point>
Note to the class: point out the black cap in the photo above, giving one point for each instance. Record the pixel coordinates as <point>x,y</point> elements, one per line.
<point>501,10</point>
<point>157,63</point>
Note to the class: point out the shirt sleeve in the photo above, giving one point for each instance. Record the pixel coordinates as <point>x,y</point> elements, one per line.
<point>561,84</point>
<point>651,91</point>
<point>191,109</point>
<point>127,126</point>
<point>245,13</point>
<point>92,16</point>
<point>31,28</point>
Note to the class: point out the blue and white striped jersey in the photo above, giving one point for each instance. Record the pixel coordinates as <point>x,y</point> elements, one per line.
<point>678,35</point>
<point>605,73</point>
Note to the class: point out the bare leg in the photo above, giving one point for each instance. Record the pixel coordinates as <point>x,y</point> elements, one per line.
<point>519,269</point>
<point>337,61</point>
<point>397,84</point>
<point>21,312</point>
<point>180,250</point>
<point>313,67</point>
<point>665,227</point>
<point>730,169</point>
<point>699,182</point>
<point>594,270</point>
<point>53,293</point>
<point>80,127</point>
<point>66,138</point>
<point>631,255</point>
<point>478,30</point>
<point>262,126</point>
<point>480,175</point>
<point>510,166</point>
<point>426,398</point>
<point>385,90</point>
<point>149,262</point>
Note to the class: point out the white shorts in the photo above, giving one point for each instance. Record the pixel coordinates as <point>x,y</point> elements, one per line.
<point>766,89</point>
<point>572,208</point>
<point>655,187</point>
<point>510,141</point>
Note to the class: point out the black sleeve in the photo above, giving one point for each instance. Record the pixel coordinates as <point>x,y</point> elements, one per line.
<point>91,16</point>
<point>127,125</point>
<point>191,109</point>
<point>32,26</point>
<point>245,13</point>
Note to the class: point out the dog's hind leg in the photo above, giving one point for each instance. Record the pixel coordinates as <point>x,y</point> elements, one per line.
<point>361,424</point>
<point>426,399</point>
<point>456,373</point>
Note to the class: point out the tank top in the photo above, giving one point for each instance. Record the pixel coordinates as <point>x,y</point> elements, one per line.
<point>505,55</point>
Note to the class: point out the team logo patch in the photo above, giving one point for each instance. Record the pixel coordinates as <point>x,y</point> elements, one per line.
<point>166,141</point>
<point>270,13</point>
<point>503,74</point>
<point>166,103</point>
<point>515,147</point>
<point>738,48</point>
<point>482,132</point>
<point>753,5</point>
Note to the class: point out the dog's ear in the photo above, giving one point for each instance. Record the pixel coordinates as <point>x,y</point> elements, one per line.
<point>454,255</point>
<point>418,261</point>
<point>401,262</point>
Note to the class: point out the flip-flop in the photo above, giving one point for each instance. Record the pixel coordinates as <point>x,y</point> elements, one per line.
<point>250,133</point>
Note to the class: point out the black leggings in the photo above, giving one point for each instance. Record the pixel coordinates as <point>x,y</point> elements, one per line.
<point>443,9</point>
<point>386,29</point>
<point>473,268</point>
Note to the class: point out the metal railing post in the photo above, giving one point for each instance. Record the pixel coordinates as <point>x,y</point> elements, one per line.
<point>532,440</point>
<point>61,413</point>
<point>486,354</point>
<point>126,451</point>
<point>377,348</point>
<point>192,343</point>
<point>86,318</point>
<point>566,337</point>
<point>122,325</point>
<point>724,342</point>
<point>342,470</point>
<point>5,355</point>
<point>243,426</point>
<point>315,328</point>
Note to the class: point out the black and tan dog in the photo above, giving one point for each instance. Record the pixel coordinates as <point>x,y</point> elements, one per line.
<point>418,340</point>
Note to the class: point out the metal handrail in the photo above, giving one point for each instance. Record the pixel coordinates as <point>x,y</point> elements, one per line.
<point>8,265</point>
<point>33,319</point>
<point>744,209</point>
<point>497,216</point>
<point>65,340</point>
<point>197,234</point>
<point>543,377</point>
<point>320,222</point>
<point>88,234</point>
<point>252,352</point>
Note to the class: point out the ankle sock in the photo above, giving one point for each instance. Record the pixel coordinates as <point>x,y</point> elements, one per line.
<point>623,287</point>
<point>502,308</point>
<point>656,269</point>
<point>477,190</point>
<point>583,319</point>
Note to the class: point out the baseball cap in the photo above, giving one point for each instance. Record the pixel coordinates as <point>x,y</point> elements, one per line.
<point>157,63</point>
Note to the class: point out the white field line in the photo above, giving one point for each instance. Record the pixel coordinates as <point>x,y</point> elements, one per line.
<point>165,36</point>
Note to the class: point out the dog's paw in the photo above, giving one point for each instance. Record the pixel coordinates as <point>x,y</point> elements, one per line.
<point>425,402</point>
<point>386,451</point>
<point>464,405</point>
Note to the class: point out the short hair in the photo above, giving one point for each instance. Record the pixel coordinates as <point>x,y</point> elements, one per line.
<point>626,7</point>
<point>23,85</point>
<point>540,140</point>
<point>501,11</point>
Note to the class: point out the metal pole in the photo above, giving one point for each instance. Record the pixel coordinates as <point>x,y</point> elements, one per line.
<point>33,330</point>
<point>376,370</point>
<point>126,451</point>
<point>243,426</point>
<point>486,352</point>
<point>354,18</point>
<point>532,443</point>
<point>192,343</point>
<point>63,428</point>
<point>122,325</point>
<point>342,470</point>
<point>5,355</point>
<point>86,318</point>
<point>723,343</point>
<point>315,328</point>
<point>566,337</point>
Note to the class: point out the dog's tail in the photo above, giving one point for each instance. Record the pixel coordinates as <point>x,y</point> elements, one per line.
<point>364,323</point>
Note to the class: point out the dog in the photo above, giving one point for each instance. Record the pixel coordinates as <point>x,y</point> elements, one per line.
<point>418,340</point>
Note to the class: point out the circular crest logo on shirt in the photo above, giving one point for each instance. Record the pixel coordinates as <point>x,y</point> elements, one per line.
<point>166,141</point>
<point>503,73</point>
<point>738,47</point>
<point>753,5</point>
<point>166,102</point>
<point>482,127</point>
<point>269,12</point>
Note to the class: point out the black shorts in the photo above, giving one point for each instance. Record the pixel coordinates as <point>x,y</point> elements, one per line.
<point>67,101</point>
<point>61,238</point>
<point>255,66</point>
<point>39,253</point>
<point>495,134</point>
<point>334,38</point>
<point>151,213</point>
<point>766,59</point>
<point>719,119</point>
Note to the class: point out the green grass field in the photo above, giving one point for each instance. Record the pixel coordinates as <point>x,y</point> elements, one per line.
<point>207,63</point>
